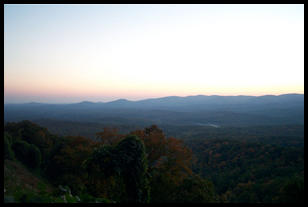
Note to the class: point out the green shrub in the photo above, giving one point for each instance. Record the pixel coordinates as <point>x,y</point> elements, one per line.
<point>9,199</point>
<point>195,189</point>
<point>25,196</point>
<point>293,190</point>
<point>8,152</point>
<point>87,198</point>
<point>35,157</point>
<point>27,153</point>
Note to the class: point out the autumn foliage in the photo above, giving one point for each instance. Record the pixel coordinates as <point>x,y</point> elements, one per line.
<point>141,166</point>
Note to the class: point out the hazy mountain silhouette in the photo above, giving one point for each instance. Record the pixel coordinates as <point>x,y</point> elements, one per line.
<point>220,110</point>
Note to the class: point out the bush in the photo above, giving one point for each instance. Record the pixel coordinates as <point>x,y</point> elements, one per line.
<point>26,196</point>
<point>9,199</point>
<point>35,157</point>
<point>293,190</point>
<point>195,190</point>
<point>8,152</point>
<point>27,153</point>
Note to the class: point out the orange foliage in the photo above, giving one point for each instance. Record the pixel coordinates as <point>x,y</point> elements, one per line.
<point>166,154</point>
<point>109,136</point>
<point>76,150</point>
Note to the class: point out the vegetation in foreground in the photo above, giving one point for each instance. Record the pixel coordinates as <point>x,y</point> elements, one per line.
<point>145,166</point>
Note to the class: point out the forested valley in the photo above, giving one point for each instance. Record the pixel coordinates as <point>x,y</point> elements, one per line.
<point>153,164</point>
<point>154,104</point>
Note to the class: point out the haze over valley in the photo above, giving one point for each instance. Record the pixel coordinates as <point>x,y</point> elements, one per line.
<point>154,103</point>
<point>173,111</point>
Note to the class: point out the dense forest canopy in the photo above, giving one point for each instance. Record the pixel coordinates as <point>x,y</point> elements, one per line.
<point>146,165</point>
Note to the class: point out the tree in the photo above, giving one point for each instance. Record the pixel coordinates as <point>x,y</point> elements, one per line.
<point>169,162</point>
<point>109,136</point>
<point>163,152</point>
<point>126,162</point>
<point>32,134</point>
<point>64,166</point>
<point>293,190</point>
<point>133,162</point>
<point>194,189</point>
<point>34,156</point>
<point>27,153</point>
<point>8,152</point>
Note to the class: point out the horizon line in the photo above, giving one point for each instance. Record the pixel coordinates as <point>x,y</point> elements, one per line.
<point>34,102</point>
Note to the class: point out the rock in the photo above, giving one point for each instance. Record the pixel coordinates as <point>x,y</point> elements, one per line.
<point>61,188</point>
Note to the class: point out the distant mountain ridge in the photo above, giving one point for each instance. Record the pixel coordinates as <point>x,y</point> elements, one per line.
<point>173,98</point>
<point>201,109</point>
<point>183,99</point>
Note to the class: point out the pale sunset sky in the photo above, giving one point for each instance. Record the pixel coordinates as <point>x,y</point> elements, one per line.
<point>73,53</point>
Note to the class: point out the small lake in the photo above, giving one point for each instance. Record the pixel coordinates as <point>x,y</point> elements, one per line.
<point>207,124</point>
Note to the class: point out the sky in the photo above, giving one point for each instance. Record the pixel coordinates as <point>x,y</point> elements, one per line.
<point>73,53</point>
